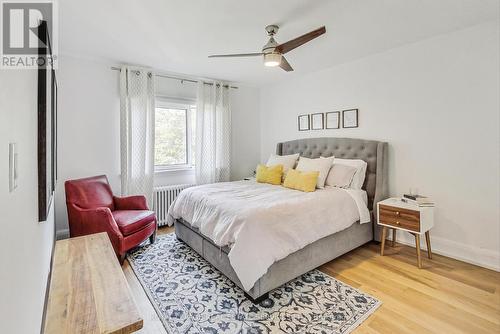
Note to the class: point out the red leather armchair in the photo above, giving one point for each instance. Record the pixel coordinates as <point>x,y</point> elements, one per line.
<point>92,208</point>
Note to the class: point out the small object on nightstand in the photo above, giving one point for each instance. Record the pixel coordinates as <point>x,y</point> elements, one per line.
<point>418,200</point>
<point>399,215</point>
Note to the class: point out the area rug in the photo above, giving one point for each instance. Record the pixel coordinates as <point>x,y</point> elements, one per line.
<point>191,296</point>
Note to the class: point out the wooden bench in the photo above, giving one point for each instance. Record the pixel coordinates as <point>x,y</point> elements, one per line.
<point>88,290</point>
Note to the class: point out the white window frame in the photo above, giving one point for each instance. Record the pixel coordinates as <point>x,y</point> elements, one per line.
<point>188,106</point>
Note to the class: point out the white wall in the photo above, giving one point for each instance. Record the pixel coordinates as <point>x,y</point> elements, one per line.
<point>437,104</point>
<point>89,116</point>
<point>89,126</point>
<point>25,244</point>
<point>245,141</point>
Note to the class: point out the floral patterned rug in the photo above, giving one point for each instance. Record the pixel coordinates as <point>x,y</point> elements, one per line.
<point>191,296</point>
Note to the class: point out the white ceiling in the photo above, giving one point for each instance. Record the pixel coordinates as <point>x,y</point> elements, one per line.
<point>177,36</point>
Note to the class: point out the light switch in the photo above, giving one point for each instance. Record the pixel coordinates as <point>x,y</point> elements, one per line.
<point>12,166</point>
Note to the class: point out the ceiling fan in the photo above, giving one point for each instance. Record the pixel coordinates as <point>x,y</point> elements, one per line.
<point>273,52</point>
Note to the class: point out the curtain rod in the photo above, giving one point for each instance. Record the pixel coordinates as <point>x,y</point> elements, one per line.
<point>177,78</point>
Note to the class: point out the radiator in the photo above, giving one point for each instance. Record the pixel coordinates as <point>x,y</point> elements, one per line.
<point>163,197</point>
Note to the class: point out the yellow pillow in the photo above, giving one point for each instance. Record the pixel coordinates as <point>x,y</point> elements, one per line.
<point>303,181</point>
<point>271,174</point>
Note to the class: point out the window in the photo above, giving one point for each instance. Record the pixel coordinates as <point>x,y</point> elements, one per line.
<point>174,135</point>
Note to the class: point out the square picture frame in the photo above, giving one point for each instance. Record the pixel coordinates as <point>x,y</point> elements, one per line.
<point>303,122</point>
<point>317,121</point>
<point>350,118</point>
<point>332,120</point>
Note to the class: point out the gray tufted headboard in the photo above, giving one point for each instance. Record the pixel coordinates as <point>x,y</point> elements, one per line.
<point>371,151</point>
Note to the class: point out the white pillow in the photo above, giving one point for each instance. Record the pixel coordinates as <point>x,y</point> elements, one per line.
<point>288,161</point>
<point>340,176</point>
<point>359,176</point>
<point>321,165</point>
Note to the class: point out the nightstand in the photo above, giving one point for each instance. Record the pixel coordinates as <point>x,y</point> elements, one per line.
<point>397,215</point>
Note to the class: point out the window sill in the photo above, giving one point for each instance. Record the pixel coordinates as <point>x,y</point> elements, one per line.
<point>174,170</point>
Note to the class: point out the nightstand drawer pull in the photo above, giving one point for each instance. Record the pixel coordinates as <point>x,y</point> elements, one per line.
<point>397,213</point>
<point>397,223</point>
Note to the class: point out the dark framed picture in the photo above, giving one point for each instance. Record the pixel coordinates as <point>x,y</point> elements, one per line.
<point>332,120</point>
<point>350,118</point>
<point>47,124</point>
<point>317,121</point>
<point>303,122</point>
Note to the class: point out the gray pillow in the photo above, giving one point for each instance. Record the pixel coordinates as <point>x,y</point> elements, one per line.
<point>340,176</point>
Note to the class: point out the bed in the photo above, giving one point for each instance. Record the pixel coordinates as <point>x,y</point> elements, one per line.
<point>309,255</point>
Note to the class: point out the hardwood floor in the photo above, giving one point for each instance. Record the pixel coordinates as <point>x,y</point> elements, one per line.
<point>445,296</point>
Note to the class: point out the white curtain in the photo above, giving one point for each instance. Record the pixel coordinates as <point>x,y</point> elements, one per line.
<point>137,124</point>
<point>213,133</point>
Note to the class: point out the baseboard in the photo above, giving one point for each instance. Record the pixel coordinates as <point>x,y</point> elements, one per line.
<point>481,257</point>
<point>62,234</point>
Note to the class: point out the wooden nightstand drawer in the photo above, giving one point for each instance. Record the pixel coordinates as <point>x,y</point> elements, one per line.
<point>399,217</point>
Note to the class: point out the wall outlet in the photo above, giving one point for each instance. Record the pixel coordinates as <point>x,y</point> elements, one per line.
<point>13,166</point>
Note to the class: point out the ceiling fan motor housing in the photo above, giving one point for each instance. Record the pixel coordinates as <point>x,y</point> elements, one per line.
<point>270,46</point>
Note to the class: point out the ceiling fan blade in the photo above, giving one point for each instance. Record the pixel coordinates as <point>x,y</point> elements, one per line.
<point>296,42</point>
<point>285,65</point>
<point>237,55</point>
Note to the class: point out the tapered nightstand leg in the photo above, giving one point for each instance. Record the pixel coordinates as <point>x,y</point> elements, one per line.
<point>417,242</point>
<point>428,240</point>
<point>394,237</point>
<point>382,245</point>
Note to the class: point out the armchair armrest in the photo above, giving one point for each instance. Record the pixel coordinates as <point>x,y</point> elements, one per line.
<point>137,202</point>
<point>99,220</point>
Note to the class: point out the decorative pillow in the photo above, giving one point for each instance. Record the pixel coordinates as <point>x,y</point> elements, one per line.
<point>303,181</point>
<point>359,176</point>
<point>271,175</point>
<point>340,176</point>
<point>321,165</point>
<point>288,161</point>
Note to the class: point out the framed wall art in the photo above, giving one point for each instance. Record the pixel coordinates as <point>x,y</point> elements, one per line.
<point>350,118</point>
<point>317,121</point>
<point>332,120</point>
<point>47,124</point>
<point>303,121</point>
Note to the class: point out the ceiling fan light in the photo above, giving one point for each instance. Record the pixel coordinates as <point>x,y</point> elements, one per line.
<point>272,59</point>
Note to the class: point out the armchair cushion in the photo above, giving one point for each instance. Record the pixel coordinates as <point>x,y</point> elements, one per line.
<point>131,221</point>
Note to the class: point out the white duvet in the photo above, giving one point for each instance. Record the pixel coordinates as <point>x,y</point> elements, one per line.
<point>264,223</point>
